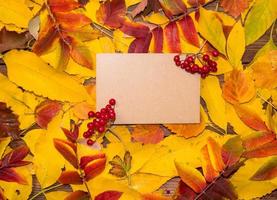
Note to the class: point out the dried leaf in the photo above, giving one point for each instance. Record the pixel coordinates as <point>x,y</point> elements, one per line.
<point>148,134</point>
<point>158,39</point>
<point>234,7</point>
<point>85,160</point>
<point>140,45</point>
<point>63,6</point>
<point>81,54</point>
<point>215,152</point>
<point>173,7</point>
<point>15,157</point>
<point>172,38</point>
<point>139,8</point>
<point>10,175</point>
<point>208,170</point>
<point>238,87</point>
<point>46,111</point>
<point>78,195</point>
<point>232,151</point>
<point>109,195</point>
<point>189,31</point>
<point>267,171</point>
<point>94,168</point>
<point>70,177</point>
<point>265,150</point>
<point>134,29</point>
<point>257,139</point>
<point>120,168</point>
<point>72,21</point>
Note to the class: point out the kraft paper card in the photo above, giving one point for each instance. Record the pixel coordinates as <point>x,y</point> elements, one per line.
<point>148,88</point>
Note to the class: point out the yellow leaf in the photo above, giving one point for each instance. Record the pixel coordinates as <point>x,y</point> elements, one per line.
<point>248,189</point>
<point>122,134</point>
<point>223,66</point>
<point>121,41</point>
<point>131,2</point>
<point>259,19</point>
<point>212,94</point>
<point>27,70</point>
<point>156,18</point>
<point>3,144</point>
<point>15,12</point>
<point>53,195</point>
<point>211,29</point>
<point>236,45</point>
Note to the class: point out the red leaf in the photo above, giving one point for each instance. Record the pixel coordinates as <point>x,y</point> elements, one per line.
<point>172,38</point>
<point>111,13</point>
<point>189,30</point>
<point>196,3</point>
<point>234,7</point>
<point>135,29</point>
<point>175,7</point>
<point>70,177</point>
<point>47,36</point>
<point>265,150</point>
<point>257,139</point>
<point>158,39</point>
<point>63,5</point>
<point>78,195</point>
<point>109,195</point>
<point>72,21</point>
<point>139,8</point>
<point>73,134</point>
<point>9,124</point>
<point>94,168</point>
<point>10,175</point>
<point>68,150</point>
<point>184,192</point>
<point>140,45</point>
<point>15,157</point>
<point>46,111</point>
<point>87,159</point>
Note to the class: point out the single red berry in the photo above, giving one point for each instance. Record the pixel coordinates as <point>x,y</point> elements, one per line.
<point>214,69</point>
<point>98,115</point>
<point>102,122</point>
<point>112,102</point>
<point>186,63</point>
<point>108,107</point>
<point>190,59</point>
<point>178,63</point>
<point>183,66</point>
<point>112,116</point>
<point>215,53</point>
<point>90,142</point>
<point>176,58</point>
<point>90,125</point>
<point>91,114</point>
<point>102,116</point>
<point>101,129</point>
<point>203,75</point>
<point>90,131</point>
<point>95,123</point>
<point>206,57</point>
<point>111,111</point>
<point>194,68</point>
<point>86,134</point>
<point>205,69</point>
<point>188,68</point>
<point>213,64</point>
<point>103,110</point>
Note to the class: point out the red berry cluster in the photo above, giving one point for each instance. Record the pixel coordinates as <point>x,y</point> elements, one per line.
<point>100,121</point>
<point>188,64</point>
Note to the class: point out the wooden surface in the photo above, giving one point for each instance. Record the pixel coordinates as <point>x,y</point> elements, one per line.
<point>170,186</point>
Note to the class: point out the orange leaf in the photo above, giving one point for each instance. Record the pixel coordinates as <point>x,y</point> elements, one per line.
<point>87,159</point>
<point>196,3</point>
<point>47,36</point>
<point>72,21</point>
<point>265,70</point>
<point>172,38</point>
<point>257,139</point>
<point>111,13</point>
<point>238,88</point>
<point>173,7</point>
<point>78,195</point>
<point>65,55</point>
<point>189,31</point>
<point>154,197</point>
<point>234,7</point>
<point>70,177</point>
<point>63,5</point>
<point>192,177</point>
<point>158,40</point>
<point>267,172</point>
<point>94,168</point>
<point>208,170</point>
<point>265,150</point>
<point>46,111</point>
<point>109,195</point>
<point>215,153</point>
<point>10,175</point>
<point>81,54</point>
<point>250,118</point>
<point>148,134</point>
<point>68,150</point>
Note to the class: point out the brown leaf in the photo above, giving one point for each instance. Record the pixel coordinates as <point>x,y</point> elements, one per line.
<point>46,111</point>
<point>70,177</point>
<point>12,40</point>
<point>148,134</point>
<point>120,168</point>
<point>108,195</point>
<point>238,87</point>
<point>9,124</point>
<point>234,7</point>
<point>10,175</point>
<point>68,150</point>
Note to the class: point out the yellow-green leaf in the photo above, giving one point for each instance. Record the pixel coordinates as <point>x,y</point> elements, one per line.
<point>236,45</point>
<point>27,70</point>
<point>259,19</point>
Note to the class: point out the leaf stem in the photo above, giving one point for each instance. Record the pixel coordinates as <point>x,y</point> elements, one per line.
<point>268,102</point>
<point>271,31</point>
<point>45,190</point>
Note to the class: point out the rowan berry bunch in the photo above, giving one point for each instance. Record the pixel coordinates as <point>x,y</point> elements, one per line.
<point>208,63</point>
<point>101,121</point>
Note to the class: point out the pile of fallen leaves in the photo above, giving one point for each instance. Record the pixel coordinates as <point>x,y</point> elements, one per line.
<point>47,84</point>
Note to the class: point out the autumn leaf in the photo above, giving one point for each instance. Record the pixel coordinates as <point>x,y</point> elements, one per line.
<point>172,38</point>
<point>265,71</point>
<point>234,7</point>
<point>68,150</point>
<point>15,157</point>
<point>157,40</point>
<point>208,170</point>
<point>120,168</point>
<point>70,177</point>
<point>109,195</point>
<point>63,6</point>
<point>73,133</point>
<point>265,150</point>
<point>238,87</point>
<point>78,194</point>
<point>85,160</point>
<point>232,151</point>
<point>257,139</point>
<point>72,21</point>
<point>111,13</point>
<point>148,134</point>
<point>10,175</point>
<point>46,111</point>
<point>140,45</point>
<point>154,196</point>
<point>267,171</point>
<point>173,7</point>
